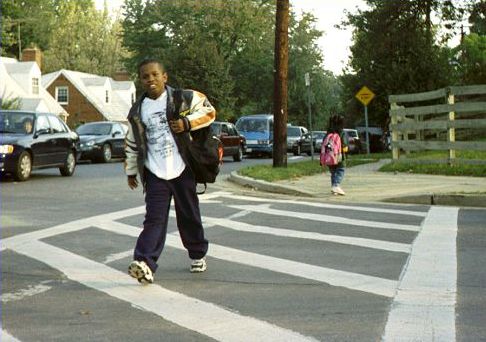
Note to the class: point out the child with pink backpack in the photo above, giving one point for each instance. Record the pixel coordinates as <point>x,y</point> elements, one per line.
<point>333,151</point>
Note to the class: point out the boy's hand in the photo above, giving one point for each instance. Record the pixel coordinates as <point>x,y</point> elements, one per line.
<point>132,182</point>
<point>177,126</point>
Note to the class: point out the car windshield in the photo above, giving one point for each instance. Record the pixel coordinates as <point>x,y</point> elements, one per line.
<point>319,135</point>
<point>94,129</point>
<point>352,134</point>
<point>252,125</point>
<point>16,122</point>
<point>293,131</point>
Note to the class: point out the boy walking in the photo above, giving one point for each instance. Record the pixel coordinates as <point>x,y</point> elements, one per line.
<point>154,151</point>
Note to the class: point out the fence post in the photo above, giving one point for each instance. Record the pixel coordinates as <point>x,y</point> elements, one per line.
<point>451,131</point>
<point>394,135</point>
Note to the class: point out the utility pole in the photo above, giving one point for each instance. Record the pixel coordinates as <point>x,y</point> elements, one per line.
<point>280,114</point>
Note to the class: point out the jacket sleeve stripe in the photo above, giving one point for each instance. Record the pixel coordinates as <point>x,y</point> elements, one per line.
<point>202,112</point>
<point>131,153</point>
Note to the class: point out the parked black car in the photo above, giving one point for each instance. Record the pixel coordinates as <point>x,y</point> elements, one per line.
<point>103,140</point>
<point>318,137</point>
<point>31,140</point>
<point>298,140</point>
<point>234,144</point>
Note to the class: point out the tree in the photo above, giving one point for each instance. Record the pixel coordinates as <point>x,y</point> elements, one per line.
<point>226,50</point>
<point>477,17</point>
<point>29,20</point>
<point>90,42</point>
<point>395,50</point>
<point>71,33</point>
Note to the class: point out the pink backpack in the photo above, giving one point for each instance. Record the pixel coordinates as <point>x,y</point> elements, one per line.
<point>331,150</point>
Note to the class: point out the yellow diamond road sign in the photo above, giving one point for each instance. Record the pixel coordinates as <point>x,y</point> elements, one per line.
<point>365,95</point>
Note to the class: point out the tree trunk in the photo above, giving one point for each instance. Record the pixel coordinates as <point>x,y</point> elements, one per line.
<point>280,84</point>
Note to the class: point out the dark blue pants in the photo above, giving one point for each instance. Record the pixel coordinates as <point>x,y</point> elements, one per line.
<point>158,196</point>
<point>337,175</point>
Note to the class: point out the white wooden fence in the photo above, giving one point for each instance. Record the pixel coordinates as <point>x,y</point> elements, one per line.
<point>455,108</point>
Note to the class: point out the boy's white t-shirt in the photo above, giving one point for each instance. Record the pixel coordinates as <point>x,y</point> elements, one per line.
<point>163,157</point>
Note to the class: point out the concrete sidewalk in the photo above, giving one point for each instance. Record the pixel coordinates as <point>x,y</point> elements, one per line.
<point>363,183</point>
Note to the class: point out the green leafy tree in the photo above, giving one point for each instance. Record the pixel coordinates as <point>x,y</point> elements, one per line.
<point>90,41</point>
<point>225,50</point>
<point>395,50</point>
<point>30,20</point>
<point>477,17</point>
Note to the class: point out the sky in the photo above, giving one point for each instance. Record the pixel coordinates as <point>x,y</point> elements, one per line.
<point>334,44</point>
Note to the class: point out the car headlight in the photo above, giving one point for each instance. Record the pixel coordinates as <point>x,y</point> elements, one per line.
<point>6,149</point>
<point>89,143</point>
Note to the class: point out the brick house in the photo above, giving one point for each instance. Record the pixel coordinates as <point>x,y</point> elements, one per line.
<point>89,97</point>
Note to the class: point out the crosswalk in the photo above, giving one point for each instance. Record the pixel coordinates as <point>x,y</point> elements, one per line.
<point>419,241</point>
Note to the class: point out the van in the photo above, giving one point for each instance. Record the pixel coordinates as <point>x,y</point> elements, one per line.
<point>258,131</point>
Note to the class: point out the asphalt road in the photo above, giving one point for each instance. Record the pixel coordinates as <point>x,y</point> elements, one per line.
<point>279,268</point>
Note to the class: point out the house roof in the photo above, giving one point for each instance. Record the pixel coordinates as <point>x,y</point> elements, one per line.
<point>89,86</point>
<point>20,67</point>
<point>31,104</point>
<point>10,89</point>
<point>121,85</point>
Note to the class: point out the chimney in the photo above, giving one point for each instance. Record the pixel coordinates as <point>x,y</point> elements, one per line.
<point>32,55</point>
<point>121,75</point>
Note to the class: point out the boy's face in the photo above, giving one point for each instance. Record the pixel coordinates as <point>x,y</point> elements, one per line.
<point>153,79</point>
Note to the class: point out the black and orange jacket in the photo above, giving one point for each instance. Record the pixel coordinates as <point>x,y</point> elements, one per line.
<point>196,111</point>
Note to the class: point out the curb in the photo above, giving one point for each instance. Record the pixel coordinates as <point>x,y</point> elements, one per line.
<point>457,200</point>
<point>266,186</point>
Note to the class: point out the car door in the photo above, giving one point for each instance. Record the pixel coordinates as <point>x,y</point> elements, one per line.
<point>60,140</point>
<point>232,139</point>
<point>235,137</point>
<point>42,145</point>
<point>226,139</point>
<point>118,139</point>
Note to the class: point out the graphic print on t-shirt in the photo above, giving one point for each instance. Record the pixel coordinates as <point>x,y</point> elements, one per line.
<point>158,135</point>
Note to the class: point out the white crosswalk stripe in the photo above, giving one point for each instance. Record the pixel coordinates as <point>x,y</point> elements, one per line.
<point>227,325</point>
<point>265,209</point>
<point>218,323</point>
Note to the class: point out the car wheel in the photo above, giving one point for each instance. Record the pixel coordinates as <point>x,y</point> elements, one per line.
<point>297,151</point>
<point>69,165</point>
<point>23,167</point>
<point>106,156</point>
<point>239,155</point>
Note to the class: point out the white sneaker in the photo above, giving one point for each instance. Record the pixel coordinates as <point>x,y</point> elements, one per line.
<point>198,265</point>
<point>140,271</point>
<point>338,191</point>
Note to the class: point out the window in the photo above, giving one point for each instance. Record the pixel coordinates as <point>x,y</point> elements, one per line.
<point>232,130</point>
<point>107,96</point>
<point>224,129</point>
<point>62,95</point>
<point>57,125</point>
<point>35,85</point>
<point>42,124</point>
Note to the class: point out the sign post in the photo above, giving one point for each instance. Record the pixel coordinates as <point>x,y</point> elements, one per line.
<point>365,95</point>
<point>307,84</point>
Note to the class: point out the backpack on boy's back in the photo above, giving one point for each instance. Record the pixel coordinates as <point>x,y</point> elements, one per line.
<point>204,150</point>
<point>331,150</point>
